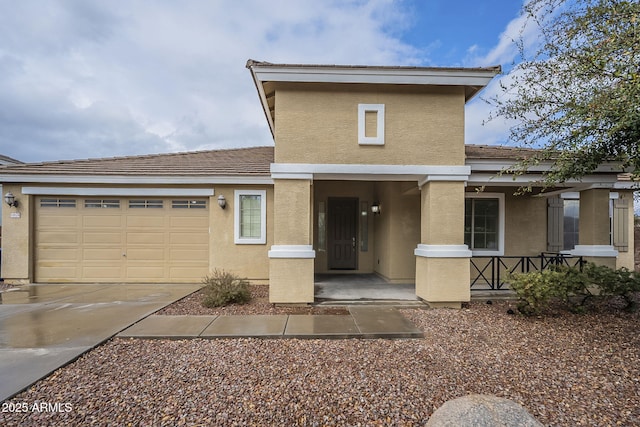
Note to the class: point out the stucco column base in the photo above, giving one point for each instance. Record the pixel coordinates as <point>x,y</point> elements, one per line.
<point>291,280</point>
<point>443,282</point>
<point>597,254</point>
<point>607,261</point>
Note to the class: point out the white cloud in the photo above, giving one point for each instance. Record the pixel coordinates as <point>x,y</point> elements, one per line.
<point>87,78</point>
<point>505,53</point>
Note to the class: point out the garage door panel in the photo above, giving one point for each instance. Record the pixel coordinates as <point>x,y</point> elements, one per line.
<point>102,273</point>
<point>57,238</point>
<point>146,221</point>
<point>145,254</point>
<point>58,272</point>
<point>188,274</point>
<point>57,254</point>
<point>102,254</point>
<point>155,238</point>
<point>102,237</point>
<point>146,272</point>
<point>189,238</point>
<point>188,254</point>
<point>59,221</point>
<point>102,221</point>
<point>181,222</point>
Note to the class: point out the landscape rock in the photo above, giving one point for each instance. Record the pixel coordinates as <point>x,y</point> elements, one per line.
<point>479,410</point>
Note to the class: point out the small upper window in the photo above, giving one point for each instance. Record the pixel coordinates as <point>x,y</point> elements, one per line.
<point>189,204</point>
<point>371,124</point>
<point>98,203</point>
<point>146,204</point>
<point>57,203</point>
<point>250,216</point>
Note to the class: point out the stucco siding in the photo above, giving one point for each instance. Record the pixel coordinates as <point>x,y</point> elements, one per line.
<point>319,124</point>
<point>525,225</point>
<point>250,261</point>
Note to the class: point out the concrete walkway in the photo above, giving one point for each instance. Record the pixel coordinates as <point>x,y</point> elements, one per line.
<point>362,322</point>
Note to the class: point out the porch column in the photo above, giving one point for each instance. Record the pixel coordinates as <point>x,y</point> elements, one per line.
<point>594,228</point>
<point>442,258</point>
<point>291,256</point>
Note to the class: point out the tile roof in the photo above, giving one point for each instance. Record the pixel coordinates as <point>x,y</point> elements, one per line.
<point>254,161</point>
<point>503,152</point>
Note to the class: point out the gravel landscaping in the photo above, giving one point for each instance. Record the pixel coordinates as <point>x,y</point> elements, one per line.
<point>259,304</point>
<point>565,369</point>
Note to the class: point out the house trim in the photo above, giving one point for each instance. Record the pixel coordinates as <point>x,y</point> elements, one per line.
<point>371,108</point>
<point>442,251</point>
<point>362,172</point>
<point>595,251</point>
<point>292,251</point>
<point>373,75</point>
<point>115,191</point>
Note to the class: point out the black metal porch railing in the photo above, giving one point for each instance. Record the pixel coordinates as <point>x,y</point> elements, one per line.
<point>489,272</point>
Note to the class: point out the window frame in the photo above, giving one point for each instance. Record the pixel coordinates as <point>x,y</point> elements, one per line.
<point>262,239</point>
<point>501,224</point>
<point>363,109</point>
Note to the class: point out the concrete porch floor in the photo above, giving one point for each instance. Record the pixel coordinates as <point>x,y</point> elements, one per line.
<point>361,287</point>
<point>371,288</point>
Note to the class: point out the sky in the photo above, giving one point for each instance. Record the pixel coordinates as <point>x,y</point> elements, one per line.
<point>94,78</point>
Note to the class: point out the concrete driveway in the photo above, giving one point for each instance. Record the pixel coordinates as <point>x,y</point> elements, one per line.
<point>44,327</point>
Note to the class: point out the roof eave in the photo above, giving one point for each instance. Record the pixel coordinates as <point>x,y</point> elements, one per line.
<point>476,78</point>
<point>263,97</point>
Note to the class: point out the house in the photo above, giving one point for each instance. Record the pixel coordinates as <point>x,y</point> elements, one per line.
<point>369,174</point>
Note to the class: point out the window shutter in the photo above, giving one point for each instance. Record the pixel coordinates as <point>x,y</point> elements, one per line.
<point>555,222</point>
<point>621,224</point>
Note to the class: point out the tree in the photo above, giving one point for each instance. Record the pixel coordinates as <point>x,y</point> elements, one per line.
<point>578,96</point>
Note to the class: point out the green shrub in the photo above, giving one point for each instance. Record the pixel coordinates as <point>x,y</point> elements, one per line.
<point>614,283</point>
<point>536,290</point>
<point>223,288</point>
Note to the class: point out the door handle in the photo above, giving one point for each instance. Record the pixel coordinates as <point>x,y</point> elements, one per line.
<point>353,242</point>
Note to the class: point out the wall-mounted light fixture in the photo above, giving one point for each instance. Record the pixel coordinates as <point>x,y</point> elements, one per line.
<point>10,199</point>
<point>222,202</point>
<point>375,208</point>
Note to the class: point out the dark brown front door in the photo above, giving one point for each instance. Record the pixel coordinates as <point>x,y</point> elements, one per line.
<point>342,227</point>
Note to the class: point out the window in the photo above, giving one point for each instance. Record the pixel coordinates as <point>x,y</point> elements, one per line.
<point>97,203</point>
<point>151,204</point>
<point>371,124</point>
<point>563,221</point>
<point>484,224</point>
<point>189,204</point>
<point>571,220</point>
<point>250,216</point>
<point>57,203</point>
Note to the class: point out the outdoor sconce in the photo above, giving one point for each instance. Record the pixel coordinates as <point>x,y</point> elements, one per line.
<point>10,199</point>
<point>222,202</point>
<point>375,208</point>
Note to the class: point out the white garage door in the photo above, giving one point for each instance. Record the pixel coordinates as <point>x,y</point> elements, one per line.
<point>121,239</point>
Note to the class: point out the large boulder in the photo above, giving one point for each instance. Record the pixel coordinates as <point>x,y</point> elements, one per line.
<point>478,410</point>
